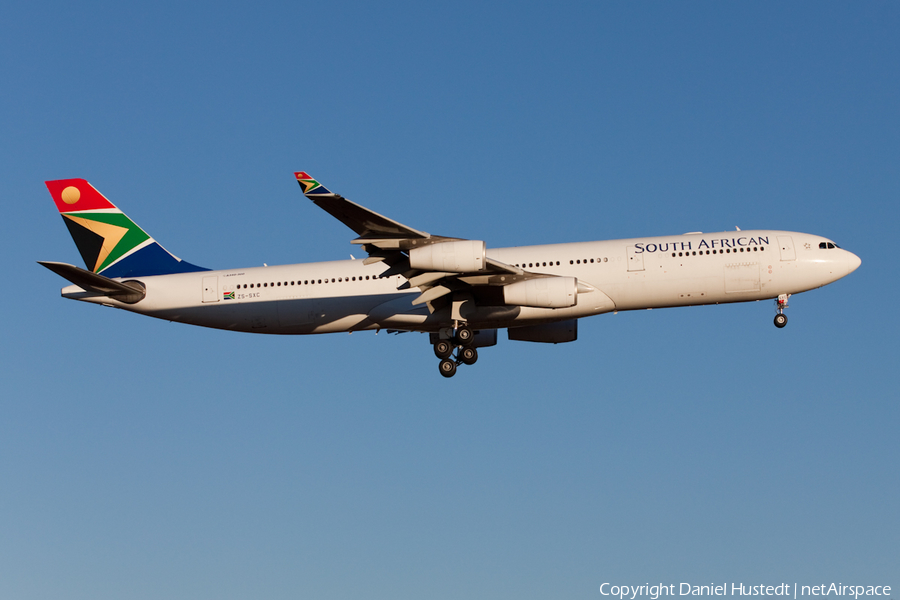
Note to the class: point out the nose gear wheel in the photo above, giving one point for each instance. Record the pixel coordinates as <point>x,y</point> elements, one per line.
<point>781,303</point>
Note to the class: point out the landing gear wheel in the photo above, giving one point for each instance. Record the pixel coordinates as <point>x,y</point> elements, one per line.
<point>468,356</point>
<point>443,349</point>
<point>447,367</point>
<point>780,320</point>
<point>464,336</point>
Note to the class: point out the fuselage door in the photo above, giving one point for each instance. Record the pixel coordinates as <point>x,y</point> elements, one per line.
<point>635,259</point>
<point>786,245</point>
<point>210,289</point>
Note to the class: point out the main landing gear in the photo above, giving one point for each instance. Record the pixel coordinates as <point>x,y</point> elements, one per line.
<point>781,303</point>
<point>461,344</point>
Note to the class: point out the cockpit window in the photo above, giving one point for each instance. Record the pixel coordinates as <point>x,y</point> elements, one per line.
<point>828,245</point>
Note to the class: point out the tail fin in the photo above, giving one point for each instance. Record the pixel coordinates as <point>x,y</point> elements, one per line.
<point>109,242</point>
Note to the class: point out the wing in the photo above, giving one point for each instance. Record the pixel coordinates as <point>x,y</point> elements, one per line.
<point>437,265</point>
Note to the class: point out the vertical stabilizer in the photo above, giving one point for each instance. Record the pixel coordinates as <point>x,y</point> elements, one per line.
<point>109,242</point>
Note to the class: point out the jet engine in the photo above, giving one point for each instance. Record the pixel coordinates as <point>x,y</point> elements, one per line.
<point>463,256</point>
<point>543,292</point>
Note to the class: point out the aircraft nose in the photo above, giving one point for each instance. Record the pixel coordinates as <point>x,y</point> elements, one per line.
<point>853,262</point>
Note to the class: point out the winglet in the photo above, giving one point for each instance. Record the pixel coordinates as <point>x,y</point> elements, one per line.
<point>368,225</point>
<point>310,186</point>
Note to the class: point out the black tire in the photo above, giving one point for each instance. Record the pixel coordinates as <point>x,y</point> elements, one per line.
<point>447,367</point>
<point>443,349</point>
<point>780,320</point>
<point>464,336</point>
<point>468,356</point>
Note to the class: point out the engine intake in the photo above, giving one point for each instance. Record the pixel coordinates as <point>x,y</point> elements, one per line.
<point>463,256</point>
<point>543,292</point>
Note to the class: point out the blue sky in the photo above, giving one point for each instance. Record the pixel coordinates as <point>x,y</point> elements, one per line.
<point>144,459</point>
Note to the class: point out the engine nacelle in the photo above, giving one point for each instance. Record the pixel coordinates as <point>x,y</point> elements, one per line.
<point>543,292</point>
<point>463,256</point>
<point>549,333</point>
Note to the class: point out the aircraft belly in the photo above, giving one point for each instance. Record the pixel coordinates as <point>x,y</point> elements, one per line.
<point>666,289</point>
<point>256,317</point>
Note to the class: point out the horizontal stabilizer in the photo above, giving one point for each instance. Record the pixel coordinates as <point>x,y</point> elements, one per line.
<point>128,292</point>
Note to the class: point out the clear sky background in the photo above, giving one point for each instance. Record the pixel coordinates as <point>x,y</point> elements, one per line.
<point>145,459</point>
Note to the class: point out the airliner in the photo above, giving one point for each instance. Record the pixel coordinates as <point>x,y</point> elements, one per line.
<point>457,290</point>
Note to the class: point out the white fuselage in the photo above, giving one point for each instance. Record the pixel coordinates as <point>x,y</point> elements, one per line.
<point>657,272</point>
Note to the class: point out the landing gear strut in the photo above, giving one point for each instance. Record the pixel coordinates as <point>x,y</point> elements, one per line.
<point>781,303</point>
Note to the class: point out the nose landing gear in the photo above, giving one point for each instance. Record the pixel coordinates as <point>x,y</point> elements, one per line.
<point>781,303</point>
